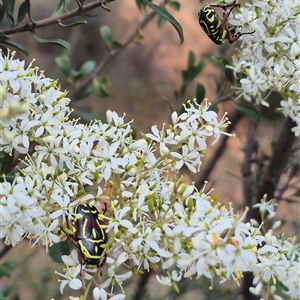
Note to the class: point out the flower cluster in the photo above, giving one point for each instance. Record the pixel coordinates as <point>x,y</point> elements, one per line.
<point>270,57</point>
<point>153,221</point>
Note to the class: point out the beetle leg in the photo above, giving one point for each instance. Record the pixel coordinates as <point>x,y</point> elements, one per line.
<point>101,264</point>
<point>234,37</point>
<point>226,15</point>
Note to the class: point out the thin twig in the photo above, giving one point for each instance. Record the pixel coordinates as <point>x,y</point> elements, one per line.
<point>249,149</point>
<point>294,170</point>
<point>139,292</point>
<point>276,166</point>
<point>111,56</point>
<point>54,20</point>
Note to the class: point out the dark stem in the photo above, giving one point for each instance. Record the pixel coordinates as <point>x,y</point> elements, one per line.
<point>141,285</point>
<point>277,164</point>
<point>247,163</point>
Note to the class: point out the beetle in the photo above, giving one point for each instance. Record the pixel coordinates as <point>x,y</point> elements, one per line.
<point>86,232</point>
<point>216,29</point>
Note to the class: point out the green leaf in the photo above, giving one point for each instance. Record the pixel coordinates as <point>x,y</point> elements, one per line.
<point>100,88</point>
<point>160,21</point>
<point>2,12</point>
<point>162,12</point>
<point>53,41</point>
<point>5,291</point>
<point>229,75</point>
<point>246,108</point>
<point>106,8</point>
<point>191,72</point>
<point>87,68</point>
<point>59,249</point>
<point>10,177</point>
<point>61,7</point>
<point>200,92</point>
<point>9,9</point>
<point>23,10</point>
<point>116,45</point>
<point>80,22</point>
<point>64,64</point>
<point>6,160</point>
<point>140,4</point>
<point>5,44</point>
<point>175,5</point>
<point>84,93</point>
<point>5,269</point>
<point>4,37</point>
<point>220,61</point>
<point>223,63</point>
<point>201,65</point>
<point>88,116</point>
<point>16,297</point>
<point>191,58</point>
<point>106,35</point>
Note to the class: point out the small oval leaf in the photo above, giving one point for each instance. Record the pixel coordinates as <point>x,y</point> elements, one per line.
<point>106,35</point>
<point>200,92</point>
<point>59,249</point>
<point>64,64</point>
<point>175,5</point>
<point>87,68</point>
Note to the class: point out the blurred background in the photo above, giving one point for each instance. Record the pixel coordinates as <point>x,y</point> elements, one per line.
<point>141,82</point>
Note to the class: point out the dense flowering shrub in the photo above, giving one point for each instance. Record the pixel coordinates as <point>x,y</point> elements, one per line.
<point>154,221</point>
<point>269,60</point>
